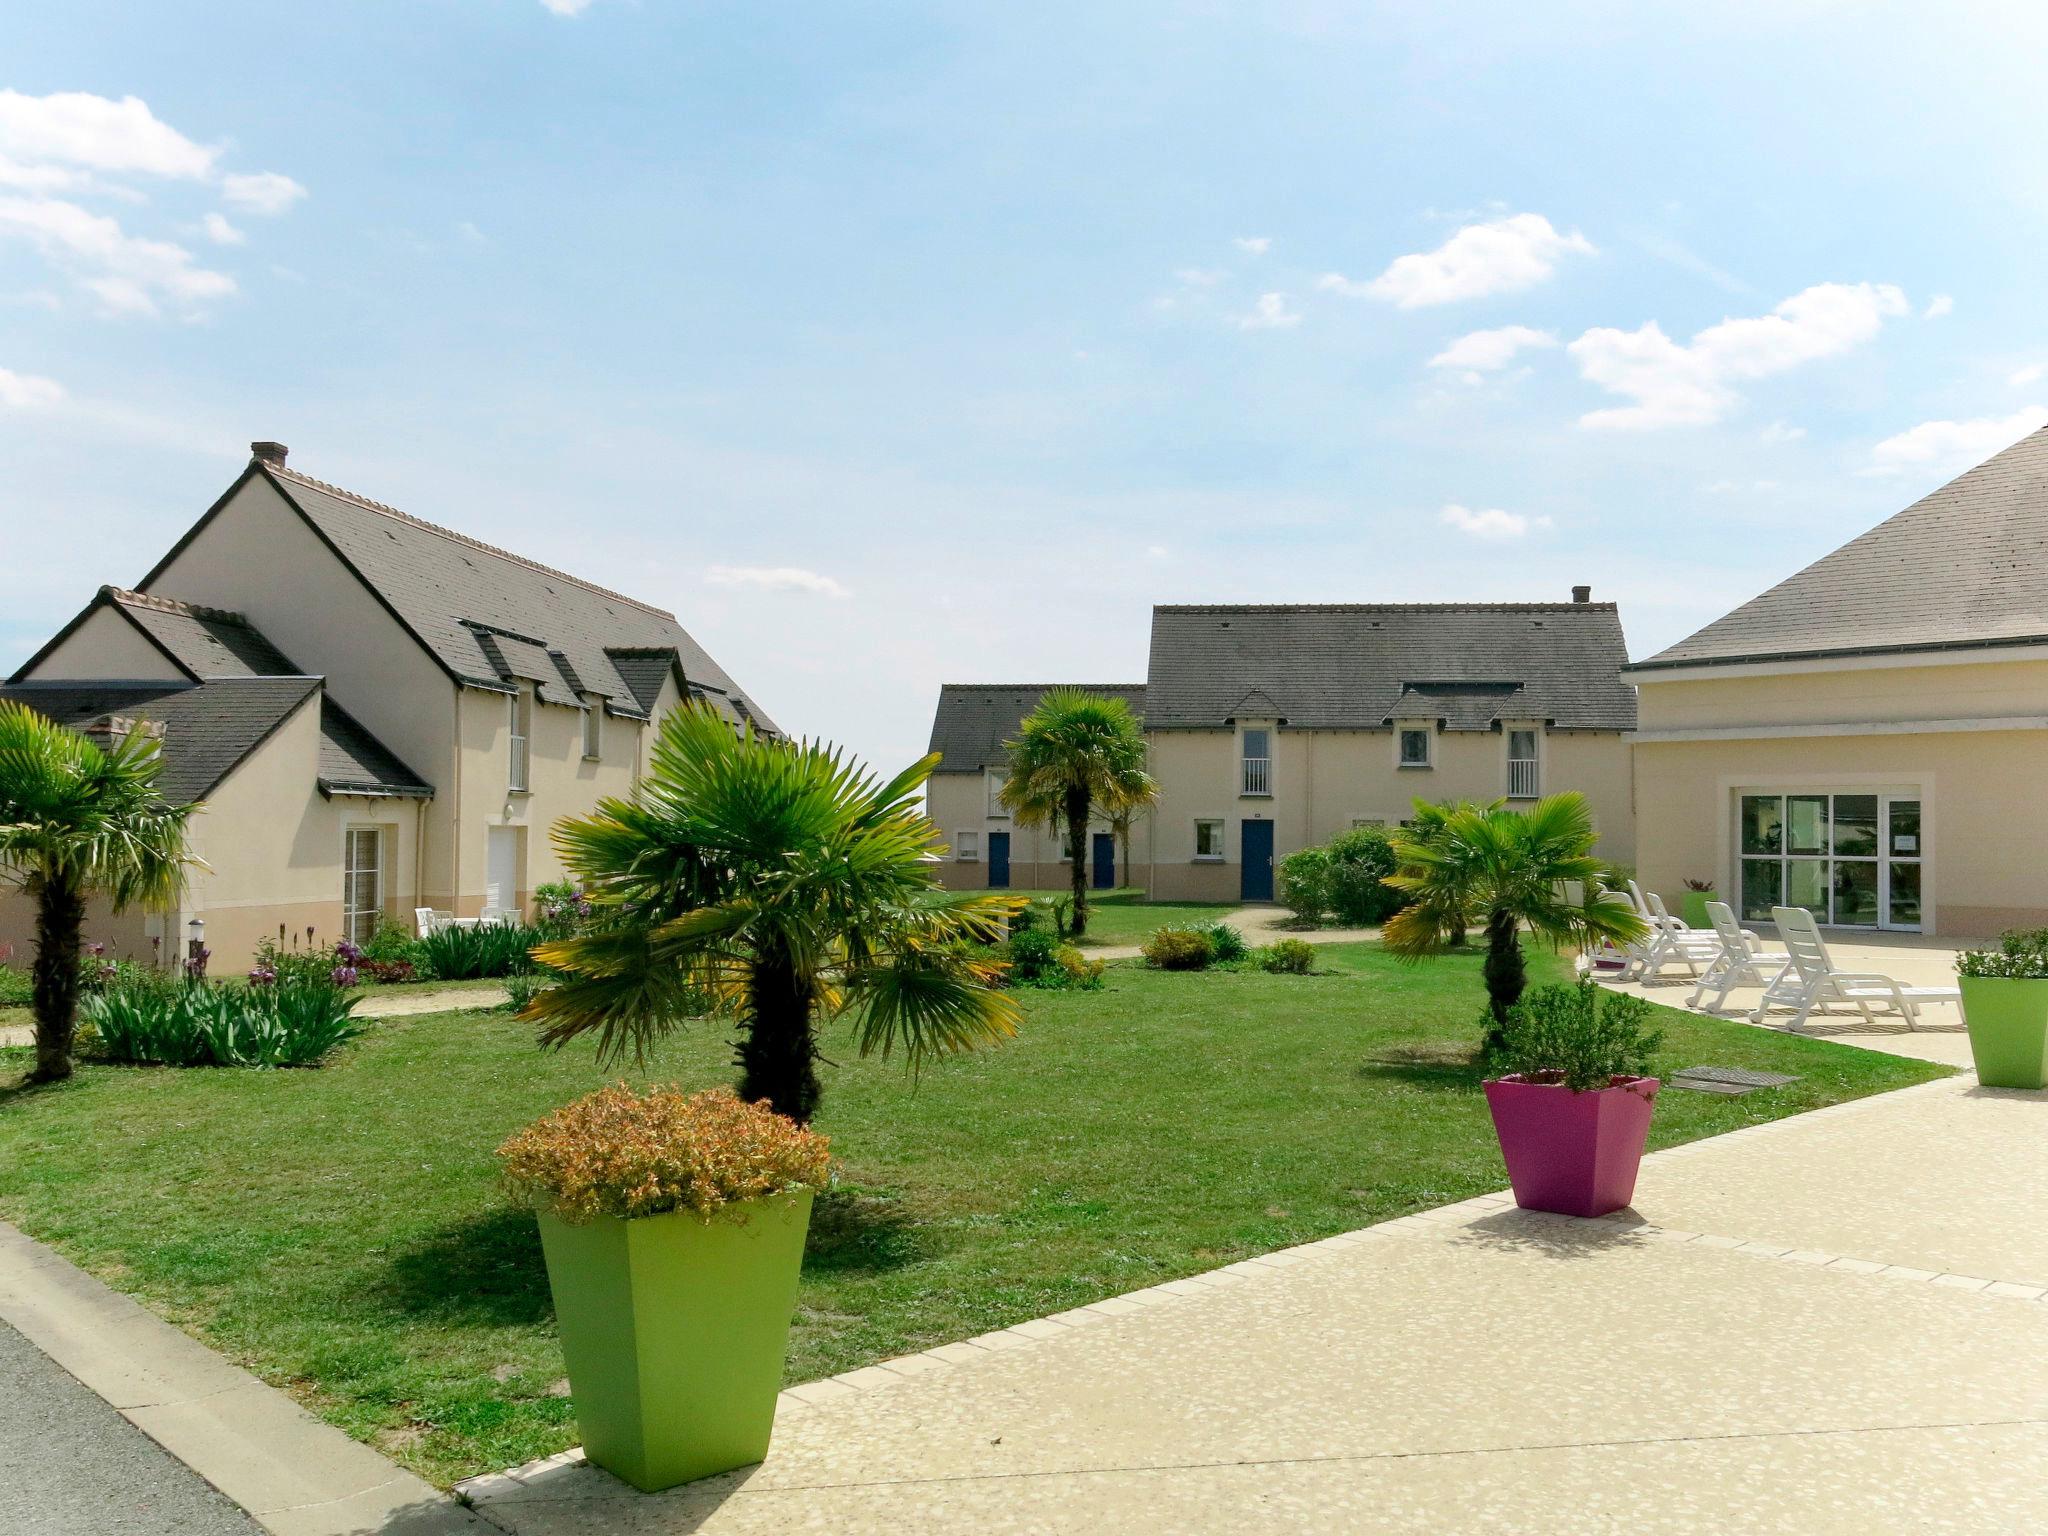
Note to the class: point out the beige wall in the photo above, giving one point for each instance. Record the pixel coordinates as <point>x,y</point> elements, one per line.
<point>959,802</point>
<point>107,646</point>
<point>1972,761</point>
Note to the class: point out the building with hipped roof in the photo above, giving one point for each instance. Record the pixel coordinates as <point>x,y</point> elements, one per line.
<point>379,713</point>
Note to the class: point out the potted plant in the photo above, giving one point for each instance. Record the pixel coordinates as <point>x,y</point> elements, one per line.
<point>673,1227</point>
<point>1692,906</point>
<point>2005,1009</point>
<point>1572,1105</point>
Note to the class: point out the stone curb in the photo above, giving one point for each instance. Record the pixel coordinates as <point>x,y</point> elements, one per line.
<point>294,1475</point>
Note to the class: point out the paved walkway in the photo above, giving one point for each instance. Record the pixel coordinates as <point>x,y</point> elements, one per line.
<point>74,1467</point>
<point>1829,1323</point>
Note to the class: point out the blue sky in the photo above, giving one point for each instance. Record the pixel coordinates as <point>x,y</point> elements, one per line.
<point>891,344</point>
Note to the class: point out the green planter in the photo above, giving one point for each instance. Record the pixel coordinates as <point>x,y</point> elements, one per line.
<point>2008,1023</point>
<point>1692,906</point>
<point>674,1328</point>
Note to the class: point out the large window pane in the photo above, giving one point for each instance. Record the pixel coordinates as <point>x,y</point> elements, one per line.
<point>1905,896</point>
<point>1855,826</point>
<point>1806,824</point>
<point>1905,829</point>
<point>1763,825</point>
<point>1856,893</point>
<point>1762,887</point>
<point>1806,885</point>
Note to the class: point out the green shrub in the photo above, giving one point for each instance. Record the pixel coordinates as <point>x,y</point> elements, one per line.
<point>1359,862</point>
<point>1179,949</point>
<point>1227,945</point>
<point>392,944</point>
<point>523,987</point>
<point>487,949</point>
<point>1294,957</point>
<point>1580,1036</point>
<point>1026,918</point>
<point>160,1020</point>
<point>1305,884</point>
<point>2022,955</point>
<point>16,991</point>
<point>1078,971</point>
<point>1033,954</point>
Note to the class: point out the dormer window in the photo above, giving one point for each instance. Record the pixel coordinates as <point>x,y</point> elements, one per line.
<point>1257,749</point>
<point>519,713</point>
<point>593,726</point>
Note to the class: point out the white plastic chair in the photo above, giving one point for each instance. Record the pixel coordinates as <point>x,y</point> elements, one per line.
<point>1671,942</point>
<point>428,921</point>
<point>1812,981</point>
<point>1743,962</point>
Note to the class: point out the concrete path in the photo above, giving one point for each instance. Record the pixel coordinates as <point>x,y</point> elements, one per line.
<point>75,1467</point>
<point>1829,1323</point>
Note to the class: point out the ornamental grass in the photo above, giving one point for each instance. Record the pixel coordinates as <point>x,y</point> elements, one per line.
<point>620,1153</point>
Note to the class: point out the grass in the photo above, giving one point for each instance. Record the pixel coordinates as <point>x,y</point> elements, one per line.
<point>338,1230</point>
<point>1124,916</point>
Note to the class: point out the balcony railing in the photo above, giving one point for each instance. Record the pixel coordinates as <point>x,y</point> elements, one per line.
<point>1522,778</point>
<point>1258,776</point>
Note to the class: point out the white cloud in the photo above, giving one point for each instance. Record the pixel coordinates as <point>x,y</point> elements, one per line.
<point>567,7</point>
<point>1954,444</point>
<point>1502,256</point>
<point>261,191</point>
<point>1693,384</point>
<point>1782,432</point>
<point>79,129</point>
<point>126,272</point>
<point>1941,304</point>
<point>2020,378</point>
<point>1492,523</point>
<point>775,578</point>
<point>1270,313</point>
<point>24,391</point>
<point>1256,245</point>
<point>220,231</point>
<point>1491,351</point>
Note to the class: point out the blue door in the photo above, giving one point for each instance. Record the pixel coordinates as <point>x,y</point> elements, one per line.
<point>1255,878</point>
<point>999,861</point>
<point>1105,861</point>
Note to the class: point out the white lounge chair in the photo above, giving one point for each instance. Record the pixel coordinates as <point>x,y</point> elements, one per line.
<point>429,922</point>
<point>1671,941</point>
<point>1743,961</point>
<point>1813,981</point>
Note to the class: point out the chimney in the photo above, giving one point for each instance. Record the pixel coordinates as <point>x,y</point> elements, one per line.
<point>268,453</point>
<point>1579,594</point>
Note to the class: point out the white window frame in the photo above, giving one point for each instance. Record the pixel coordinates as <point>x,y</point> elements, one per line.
<point>593,728</point>
<point>967,846</point>
<point>358,922</point>
<point>519,725</point>
<point>995,779</point>
<point>1423,728</point>
<point>1255,771</point>
<point>1533,789</point>
<point>1222,826</point>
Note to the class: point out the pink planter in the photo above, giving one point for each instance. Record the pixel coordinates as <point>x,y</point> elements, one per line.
<point>1573,1153</point>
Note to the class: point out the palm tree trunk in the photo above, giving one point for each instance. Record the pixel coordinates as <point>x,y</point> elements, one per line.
<point>1505,973</point>
<point>60,918</point>
<point>1077,868</point>
<point>776,1053</point>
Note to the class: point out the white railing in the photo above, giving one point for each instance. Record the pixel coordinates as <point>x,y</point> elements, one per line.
<point>1522,780</point>
<point>1258,776</point>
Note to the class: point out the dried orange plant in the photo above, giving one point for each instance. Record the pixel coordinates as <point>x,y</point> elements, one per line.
<point>620,1153</point>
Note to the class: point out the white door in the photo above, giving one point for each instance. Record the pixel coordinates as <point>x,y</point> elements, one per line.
<point>362,882</point>
<point>501,869</point>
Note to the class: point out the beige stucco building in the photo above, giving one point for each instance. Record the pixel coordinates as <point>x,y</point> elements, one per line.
<point>1273,727</point>
<point>378,713</point>
<point>1863,740</point>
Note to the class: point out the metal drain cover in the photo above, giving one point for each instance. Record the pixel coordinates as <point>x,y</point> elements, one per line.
<point>1728,1080</point>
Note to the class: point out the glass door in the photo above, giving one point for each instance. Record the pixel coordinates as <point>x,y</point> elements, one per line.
<point>1852,860</point>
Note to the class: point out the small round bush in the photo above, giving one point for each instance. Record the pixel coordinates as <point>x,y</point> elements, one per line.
<point>1226,944</point>
<point>1294,957</point>
<point>620,1153</point>
<point>1078,971</point>
<point>1179,949</point>
<point>1034,955</point>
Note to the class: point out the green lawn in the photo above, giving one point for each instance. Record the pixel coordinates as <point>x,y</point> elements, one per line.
<point>338,1231</point>
<point>1126,917</point>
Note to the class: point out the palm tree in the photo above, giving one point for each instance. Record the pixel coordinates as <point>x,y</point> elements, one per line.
<point>1075,751</point>
<point>1521,869</point>
<point>785,884</point>
<point>79,820</point>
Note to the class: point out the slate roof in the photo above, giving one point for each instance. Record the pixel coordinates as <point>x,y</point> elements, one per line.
<point>975,719</point>
<point>1360,666</point>
<point>452,591</point>
<point>1966,566</point>
<point>208,727</point>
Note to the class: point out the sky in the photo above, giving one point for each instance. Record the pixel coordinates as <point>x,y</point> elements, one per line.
<point>891,344</point>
